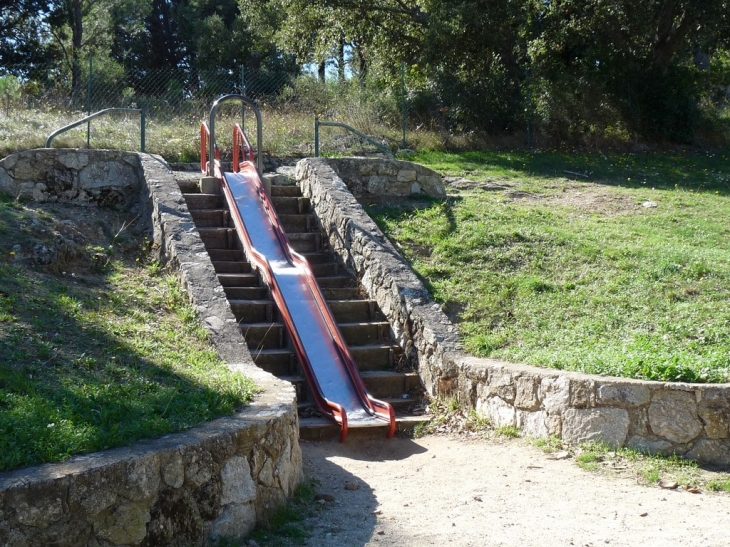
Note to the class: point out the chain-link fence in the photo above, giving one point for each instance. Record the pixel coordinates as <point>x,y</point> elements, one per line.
<point>290,101</point>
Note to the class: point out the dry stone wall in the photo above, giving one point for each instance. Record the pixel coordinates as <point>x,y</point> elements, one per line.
<point>370,177</point>
<point>214,481</point>
<point>691,420</point>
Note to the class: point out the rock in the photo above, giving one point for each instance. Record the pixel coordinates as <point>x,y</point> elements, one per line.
<point>610,425</point>
<point>715,451</point>
<point>236,481</point>
<point>673,415</point>
<point>353,485</point>
<point>324,497</point>
<point>43,255</point>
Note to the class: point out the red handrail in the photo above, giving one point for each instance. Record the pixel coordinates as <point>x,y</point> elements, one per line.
<point>241,147</point>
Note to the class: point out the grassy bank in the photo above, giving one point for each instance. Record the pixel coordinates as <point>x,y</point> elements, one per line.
<point>616,265</point>
<point>99,348</point>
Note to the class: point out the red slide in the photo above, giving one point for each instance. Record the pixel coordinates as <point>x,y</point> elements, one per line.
<point>330,371</point>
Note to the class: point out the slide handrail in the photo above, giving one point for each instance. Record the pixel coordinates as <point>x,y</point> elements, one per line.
<point>211,128</point>
<point>318,124</point>
<point>90,117</point>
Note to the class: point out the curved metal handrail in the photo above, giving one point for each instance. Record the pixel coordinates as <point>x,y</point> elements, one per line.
<point>101,113</point>
<point>351,129</point>
<point>211,129</point>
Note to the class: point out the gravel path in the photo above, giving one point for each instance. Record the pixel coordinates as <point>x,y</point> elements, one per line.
<point>453,491</point>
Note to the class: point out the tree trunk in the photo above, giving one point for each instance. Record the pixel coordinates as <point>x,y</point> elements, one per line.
<point>321,71</point>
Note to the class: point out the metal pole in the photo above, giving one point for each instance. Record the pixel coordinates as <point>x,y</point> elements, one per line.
<point>403,101</point>
<point>88,102</point>
<point>243,92</point>
<point>142,130</point>
<point>316,136</point>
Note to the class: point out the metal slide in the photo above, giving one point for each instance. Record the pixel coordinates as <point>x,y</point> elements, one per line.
<point>330,371</point>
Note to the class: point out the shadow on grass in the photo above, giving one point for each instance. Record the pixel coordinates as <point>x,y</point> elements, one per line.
<point>86,364</point>
<point>693,170</point>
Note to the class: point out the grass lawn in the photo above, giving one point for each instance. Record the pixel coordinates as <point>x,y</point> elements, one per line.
<point>100,348</point>
<point>607,264</point>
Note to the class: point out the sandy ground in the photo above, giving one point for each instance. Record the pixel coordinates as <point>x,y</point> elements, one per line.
<point>454,491</point>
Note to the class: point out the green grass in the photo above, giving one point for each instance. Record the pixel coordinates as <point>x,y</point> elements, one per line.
<point>577,274</point>
<point>99,349</point>
<point>287,526</point>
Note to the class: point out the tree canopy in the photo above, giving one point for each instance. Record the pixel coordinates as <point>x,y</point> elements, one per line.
<point>570,66</point>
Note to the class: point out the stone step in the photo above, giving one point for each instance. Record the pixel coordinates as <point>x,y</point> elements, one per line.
<point>337,281</point>
<point>258,292</point>
<point>264,335</point>
<point>291,205</point>
<point>305,242</point>
<point>279,190</point>
<point>353,311</point>
<point>340,293</point>
<point>189,185</point>
<point>321,429</point>
<point>238,280</point>
<point>253,311</point>
<point>297,223</point>
<point>204,201</point>
<point>325,269</point>
<point>226,255</point>
<point>375,356</point>
<point>208,218</point>
<point>223,267</point>
<point>219,238</point>
<point>317,257</point>
<point>365,332</point>
<point>277,361</point>
<point>381,384</point>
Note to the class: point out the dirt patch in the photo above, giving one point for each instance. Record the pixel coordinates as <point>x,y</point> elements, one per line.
<point>441,490</point>
<point>590,198</point>
<point>584,198</point>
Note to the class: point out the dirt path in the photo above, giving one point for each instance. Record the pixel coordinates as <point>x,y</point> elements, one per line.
<point>454,491</point>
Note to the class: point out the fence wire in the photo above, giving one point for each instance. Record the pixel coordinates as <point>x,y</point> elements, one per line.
<point>290,101</point>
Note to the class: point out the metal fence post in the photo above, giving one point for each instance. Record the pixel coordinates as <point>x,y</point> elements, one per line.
<point>142,121</point>
<point>316,136</point>
<point>403,101</point>
<point>88,102</point>
<point>243,92</point>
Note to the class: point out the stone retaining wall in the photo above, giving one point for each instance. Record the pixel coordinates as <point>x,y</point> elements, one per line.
<point>214,481</point>
<point>692,420</point>
<point>373,177</point>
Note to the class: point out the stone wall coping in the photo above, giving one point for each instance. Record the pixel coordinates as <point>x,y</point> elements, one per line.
<point>689,419</point>
<point>215,480</point>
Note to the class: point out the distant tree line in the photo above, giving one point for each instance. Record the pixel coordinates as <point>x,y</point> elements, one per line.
<point>654,69</point>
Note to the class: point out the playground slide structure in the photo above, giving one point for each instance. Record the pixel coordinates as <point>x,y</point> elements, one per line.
<point>330,371</point>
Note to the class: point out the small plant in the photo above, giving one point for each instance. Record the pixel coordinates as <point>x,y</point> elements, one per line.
<point>287,521</point>
<point>508,431</point>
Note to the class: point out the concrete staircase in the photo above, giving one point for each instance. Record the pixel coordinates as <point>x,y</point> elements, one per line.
<point>380,360</point>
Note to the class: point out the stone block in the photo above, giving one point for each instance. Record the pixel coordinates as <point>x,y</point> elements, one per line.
<point>7,183</point>
<point>415,188</point>
<point>377,185</point>
<point>406,175</point>
<point>236,482</point>
<point>385,167</point>
<point>502,384</point>
<point>173,471</point>
<point>554,394</point>
<point>126,524</point>
<point>582,393</point>
<point>141,479</point>
<point>610,425</point>
<point>534,424</point>
<point>673,415</point>
<point>526,388</point>
<point>715,451</point>
<point>714,411</point>
<point>622,394</point>
<point>647,445</point>
<point>235,523</point>
<point>499,413</point>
